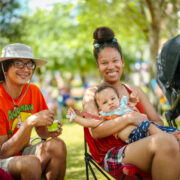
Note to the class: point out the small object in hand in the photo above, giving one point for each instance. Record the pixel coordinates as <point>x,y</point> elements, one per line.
<point>71,116</point>
<point>53,127</point>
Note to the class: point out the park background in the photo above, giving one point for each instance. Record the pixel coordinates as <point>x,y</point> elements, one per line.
<point>61,32</point>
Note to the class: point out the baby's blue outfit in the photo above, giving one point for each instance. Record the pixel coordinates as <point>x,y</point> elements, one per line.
<point>142,130</point>
<point>121,110</point>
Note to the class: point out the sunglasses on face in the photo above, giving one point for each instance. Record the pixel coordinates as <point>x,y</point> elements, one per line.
<point>20,65</point>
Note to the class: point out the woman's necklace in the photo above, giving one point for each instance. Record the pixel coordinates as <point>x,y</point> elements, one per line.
<point>17,105</point>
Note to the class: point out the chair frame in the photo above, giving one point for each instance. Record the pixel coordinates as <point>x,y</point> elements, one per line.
<point>89,161</point>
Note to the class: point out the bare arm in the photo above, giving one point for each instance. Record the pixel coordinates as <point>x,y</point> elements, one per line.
<point>109,127</point>
<point>148,107</point>
<point>9,147</point>
<point>89,123</point>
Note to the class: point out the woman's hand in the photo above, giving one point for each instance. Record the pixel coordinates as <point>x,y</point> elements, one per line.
<point>43,132</point>
<point>58,132</point>
<point>42,118</point>
<point>136,117</point>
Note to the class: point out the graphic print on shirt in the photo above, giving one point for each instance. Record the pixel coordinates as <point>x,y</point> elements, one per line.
<point>17,117</point>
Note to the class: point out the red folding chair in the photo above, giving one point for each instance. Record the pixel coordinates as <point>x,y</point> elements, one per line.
<point>126,172</point>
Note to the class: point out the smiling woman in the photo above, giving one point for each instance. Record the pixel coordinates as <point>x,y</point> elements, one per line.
<point>18,74</point>
<point>150,154</point>
<point>110,65</point>
<point>22,108</point>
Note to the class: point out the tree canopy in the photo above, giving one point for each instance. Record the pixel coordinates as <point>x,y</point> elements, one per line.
<point>63,34</point>
<point>9,21</point>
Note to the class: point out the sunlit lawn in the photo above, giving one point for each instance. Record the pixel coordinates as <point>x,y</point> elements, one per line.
<point>74,139</point>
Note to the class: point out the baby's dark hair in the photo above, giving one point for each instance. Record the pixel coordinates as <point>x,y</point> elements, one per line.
<point>101,88</point>
<point>6,64</point>
<point>104,37</point>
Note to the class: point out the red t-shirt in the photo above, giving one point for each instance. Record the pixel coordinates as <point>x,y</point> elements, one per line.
<point>99,147</point>
<point>32,102</point>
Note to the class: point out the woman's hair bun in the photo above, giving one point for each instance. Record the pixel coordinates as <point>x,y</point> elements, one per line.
<point>103,34</point>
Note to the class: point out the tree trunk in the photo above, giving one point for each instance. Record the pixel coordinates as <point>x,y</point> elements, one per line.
<point>154,47</point>
<point>154,32</point>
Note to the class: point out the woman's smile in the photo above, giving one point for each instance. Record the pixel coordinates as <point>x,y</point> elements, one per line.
<point>110,64</point>
<point>113,73</point>
<point>23,75</point>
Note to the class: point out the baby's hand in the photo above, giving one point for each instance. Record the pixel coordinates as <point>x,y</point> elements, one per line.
<point>70,114</point>
<point>134,97</point>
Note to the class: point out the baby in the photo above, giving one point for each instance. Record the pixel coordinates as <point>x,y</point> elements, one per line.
<point>110,106</point>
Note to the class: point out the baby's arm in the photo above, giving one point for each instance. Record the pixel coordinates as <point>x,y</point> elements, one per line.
<point>89,123</point>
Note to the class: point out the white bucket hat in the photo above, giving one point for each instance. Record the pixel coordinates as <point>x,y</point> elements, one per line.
<point>20,51</point>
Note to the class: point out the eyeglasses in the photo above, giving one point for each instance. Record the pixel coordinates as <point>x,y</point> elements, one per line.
<point>20,65</point>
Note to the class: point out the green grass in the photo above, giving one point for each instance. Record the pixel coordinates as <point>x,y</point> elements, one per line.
<point>73,136</point>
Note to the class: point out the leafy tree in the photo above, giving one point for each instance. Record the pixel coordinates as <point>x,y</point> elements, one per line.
<point>56,35</point>
<point>63,35</point>
<point>136,21</point>
<point>9,20</point>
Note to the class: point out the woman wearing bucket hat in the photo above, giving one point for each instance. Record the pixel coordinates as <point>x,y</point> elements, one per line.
<point>22,108</point>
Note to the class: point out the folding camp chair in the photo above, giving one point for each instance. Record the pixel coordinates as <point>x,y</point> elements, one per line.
<point>126,172</point>
<point>168,77</point>
<point>89,162</point>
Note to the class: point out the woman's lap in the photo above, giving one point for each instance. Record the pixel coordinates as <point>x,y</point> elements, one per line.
<point>31,150</point>
<point>137,153</point>
<point>141,153</point>
<point>113,159</point>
